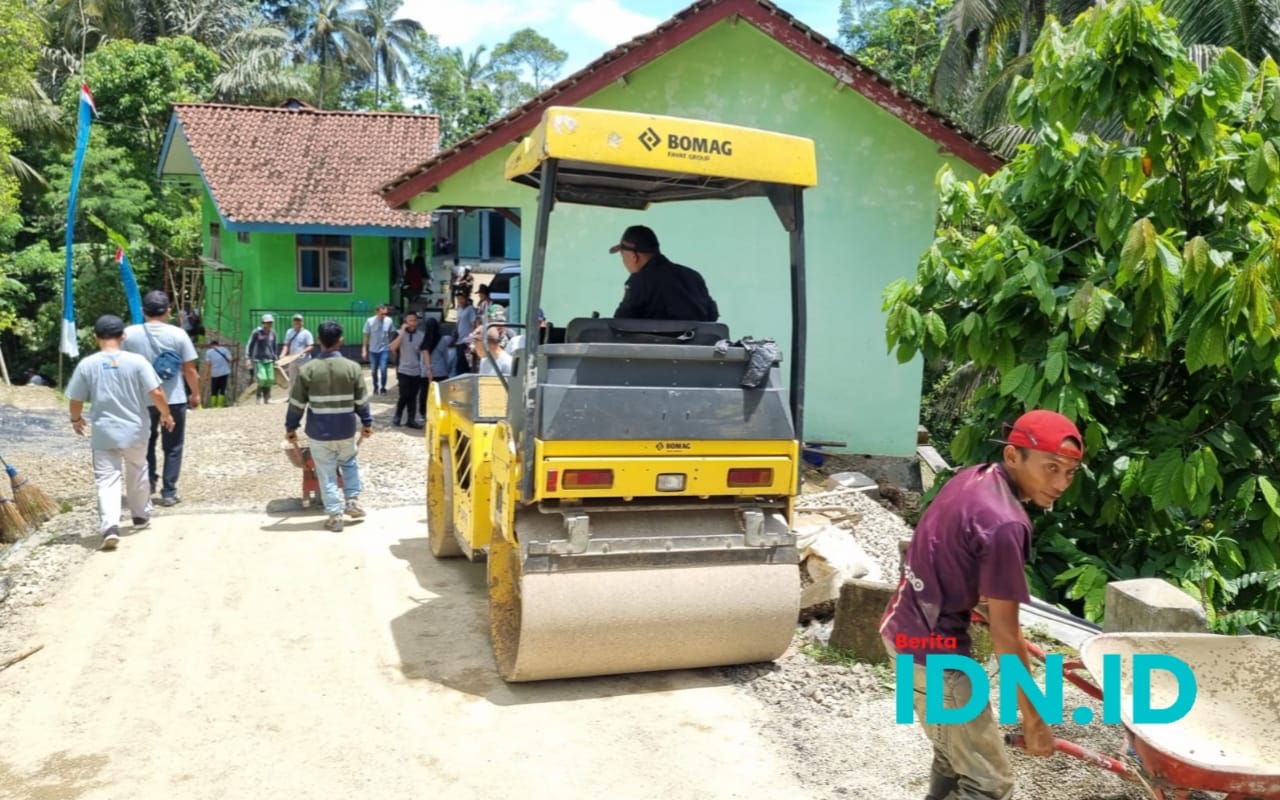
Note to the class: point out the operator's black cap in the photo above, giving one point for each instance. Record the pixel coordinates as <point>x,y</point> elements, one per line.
<point>638,238</point>
<point>108,326</point>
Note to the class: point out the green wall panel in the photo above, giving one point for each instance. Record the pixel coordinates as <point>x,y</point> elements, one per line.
<point>867,223</point>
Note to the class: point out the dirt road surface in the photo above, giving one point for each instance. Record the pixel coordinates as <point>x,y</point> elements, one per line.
<point>238,651</point>
<point>335,666</point>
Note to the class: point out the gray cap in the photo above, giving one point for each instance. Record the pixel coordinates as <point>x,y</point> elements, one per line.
<point>108,326</point>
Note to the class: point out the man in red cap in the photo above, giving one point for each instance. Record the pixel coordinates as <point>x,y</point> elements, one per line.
<point>971,546</point>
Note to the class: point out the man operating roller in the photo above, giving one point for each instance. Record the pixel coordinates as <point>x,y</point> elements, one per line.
<point>657,287</point>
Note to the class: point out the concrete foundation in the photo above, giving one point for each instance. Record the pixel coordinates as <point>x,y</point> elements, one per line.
<point>1152,605</point>
<point>857,623</point>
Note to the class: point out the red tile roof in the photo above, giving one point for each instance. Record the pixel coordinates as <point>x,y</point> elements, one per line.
<point>643,49</point>
<point>304,166</point>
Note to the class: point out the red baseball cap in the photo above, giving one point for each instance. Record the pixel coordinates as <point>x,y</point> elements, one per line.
<point>1049,432</point>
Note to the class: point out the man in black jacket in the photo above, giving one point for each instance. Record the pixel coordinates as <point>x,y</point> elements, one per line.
<point>659,288</point>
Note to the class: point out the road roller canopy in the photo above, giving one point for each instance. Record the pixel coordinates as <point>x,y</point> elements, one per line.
<point>628,160</point>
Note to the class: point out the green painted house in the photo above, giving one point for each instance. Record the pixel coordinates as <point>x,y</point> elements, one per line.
<point>292,220</point>
<point>870,218</point>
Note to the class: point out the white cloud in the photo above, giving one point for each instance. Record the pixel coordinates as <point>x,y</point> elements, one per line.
<point>608,22</point>
<point>468,22</point>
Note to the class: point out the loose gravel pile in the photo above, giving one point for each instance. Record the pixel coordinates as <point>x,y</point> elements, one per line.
<point>837,720</point>
<point>834,722</point>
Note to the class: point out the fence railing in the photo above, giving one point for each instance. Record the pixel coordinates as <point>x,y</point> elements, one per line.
<point>352,322</point>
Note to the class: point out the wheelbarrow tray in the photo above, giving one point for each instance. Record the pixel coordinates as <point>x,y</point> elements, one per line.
<point>1230,740</point>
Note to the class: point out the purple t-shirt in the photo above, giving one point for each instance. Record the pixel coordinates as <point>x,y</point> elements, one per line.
<point>971,542</point>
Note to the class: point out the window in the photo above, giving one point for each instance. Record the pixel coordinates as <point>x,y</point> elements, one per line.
<point>242,237</point>
<point>324,263</point>
<point>215,241</point>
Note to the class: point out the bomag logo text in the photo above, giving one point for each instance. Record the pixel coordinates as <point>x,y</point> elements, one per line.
<point>675,446</point>
<point>699,144</point>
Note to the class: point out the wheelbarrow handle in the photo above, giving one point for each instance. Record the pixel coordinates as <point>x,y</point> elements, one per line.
<point>1072,669</point>
<point>1083,753</point>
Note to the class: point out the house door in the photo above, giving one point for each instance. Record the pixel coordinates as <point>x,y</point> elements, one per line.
<point>497,235</point>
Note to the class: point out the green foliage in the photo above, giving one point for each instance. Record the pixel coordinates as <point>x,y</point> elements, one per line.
<point>900,41</point>
<point>1129,284</point>
<point>26,275</point>
<point>134,86</point>
<point>20,36</point>
<point>527,49</point>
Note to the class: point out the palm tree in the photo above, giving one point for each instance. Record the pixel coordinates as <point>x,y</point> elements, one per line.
<point>987,43</point>
<point>389,39</point>
<point>254,68</point>
<point>332,37</point>
<point>1250,27</point>
<point>30,115</point>
<point>473,70</point>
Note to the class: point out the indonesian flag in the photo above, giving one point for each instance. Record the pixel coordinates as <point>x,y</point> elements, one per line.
<point>88,110</point>
<point>131,292</point>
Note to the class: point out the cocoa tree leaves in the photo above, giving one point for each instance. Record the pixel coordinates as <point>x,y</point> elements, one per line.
<point>1143,304</point>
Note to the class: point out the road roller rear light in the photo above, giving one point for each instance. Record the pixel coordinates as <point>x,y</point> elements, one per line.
<point>588,479</point>
<point>553,479</point>
<point>671,482</point>
<point>743,477</point>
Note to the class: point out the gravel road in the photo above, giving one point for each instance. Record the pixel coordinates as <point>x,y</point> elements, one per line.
<point>807,729</point>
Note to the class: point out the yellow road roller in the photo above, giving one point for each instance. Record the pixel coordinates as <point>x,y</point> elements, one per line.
<point>631,498</point>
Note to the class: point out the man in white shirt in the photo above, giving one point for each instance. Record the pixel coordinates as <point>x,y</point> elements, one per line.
<point>297,340</point>
<point>118,386</point>
<point>147,340</point>
<point>493,343</point>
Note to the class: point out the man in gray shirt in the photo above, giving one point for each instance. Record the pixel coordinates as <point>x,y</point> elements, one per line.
<point>147,340</point>
<point>376,348</point>
<point>118,386</point>
<point>467,321</point>
<point>407,349</point>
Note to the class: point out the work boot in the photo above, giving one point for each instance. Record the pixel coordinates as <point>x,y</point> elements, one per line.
<point>941,786</point>
<point>353,509</point>
<point>334,523</point>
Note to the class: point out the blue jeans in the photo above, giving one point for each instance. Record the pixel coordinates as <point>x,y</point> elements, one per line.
<point>172,443</point>
<point>378,360</point>
<point>329,458</point>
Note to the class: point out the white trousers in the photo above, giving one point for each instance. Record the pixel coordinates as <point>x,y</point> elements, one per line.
<point>110,469</point>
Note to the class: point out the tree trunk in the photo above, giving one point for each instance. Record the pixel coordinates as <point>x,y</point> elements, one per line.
<point>1032,23</point>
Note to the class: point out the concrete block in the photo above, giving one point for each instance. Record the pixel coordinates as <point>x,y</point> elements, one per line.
<point>857,622</point>
<point>1152,605</point>
<point>852,480</point>
<point>932,464</point>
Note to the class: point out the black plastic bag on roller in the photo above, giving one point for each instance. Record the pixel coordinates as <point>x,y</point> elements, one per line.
<point>763,352</point>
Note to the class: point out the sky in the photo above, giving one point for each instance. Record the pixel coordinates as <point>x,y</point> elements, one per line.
<point>585,29</point>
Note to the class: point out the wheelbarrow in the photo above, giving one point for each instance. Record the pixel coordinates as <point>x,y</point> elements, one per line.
<point>301,457</point>
<point>1228,742</point>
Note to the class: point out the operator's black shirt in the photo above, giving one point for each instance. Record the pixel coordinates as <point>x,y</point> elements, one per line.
<point>666,290</point>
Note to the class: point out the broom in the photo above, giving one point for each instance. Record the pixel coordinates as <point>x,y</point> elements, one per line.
<point>32,502</point>
<point>12,526</point>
